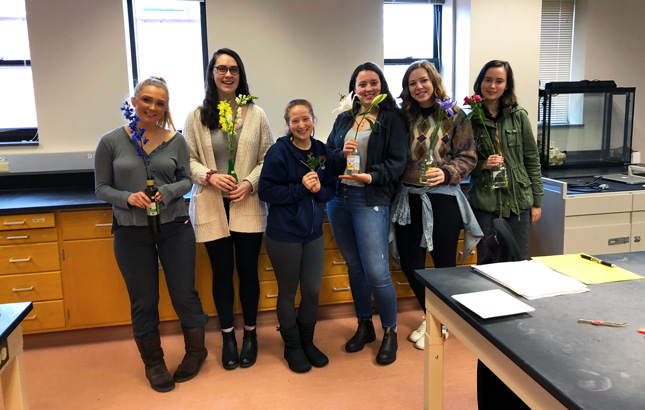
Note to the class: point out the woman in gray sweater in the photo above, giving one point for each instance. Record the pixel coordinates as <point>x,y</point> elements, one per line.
<point>121,170</point>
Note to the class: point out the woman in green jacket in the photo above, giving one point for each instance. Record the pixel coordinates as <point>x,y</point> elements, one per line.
<point>519,203</point>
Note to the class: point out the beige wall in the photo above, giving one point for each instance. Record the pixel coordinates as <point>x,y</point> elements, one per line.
<point>295,49</point>
<point>608,45</point>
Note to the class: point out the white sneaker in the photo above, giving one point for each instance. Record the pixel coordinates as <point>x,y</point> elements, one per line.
<point>421,343</point>
<point>418,334</point>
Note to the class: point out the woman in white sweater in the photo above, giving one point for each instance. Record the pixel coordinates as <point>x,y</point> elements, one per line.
<point>228,216</point>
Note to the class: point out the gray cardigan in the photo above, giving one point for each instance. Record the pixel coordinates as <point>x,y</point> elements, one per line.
<point>119,172</point>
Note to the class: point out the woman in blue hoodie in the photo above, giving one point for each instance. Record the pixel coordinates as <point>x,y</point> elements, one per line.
<point>296,182</point>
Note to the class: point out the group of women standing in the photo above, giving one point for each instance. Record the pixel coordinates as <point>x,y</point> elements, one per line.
<point>380,206</point>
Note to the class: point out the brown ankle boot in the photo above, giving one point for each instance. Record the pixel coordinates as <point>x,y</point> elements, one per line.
<point>195,354</point>
<point>156,371</point>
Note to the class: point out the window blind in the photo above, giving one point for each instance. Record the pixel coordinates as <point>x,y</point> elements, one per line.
<point>555,51</point>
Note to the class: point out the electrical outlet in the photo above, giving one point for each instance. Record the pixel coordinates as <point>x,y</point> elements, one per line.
<point>4,167</point>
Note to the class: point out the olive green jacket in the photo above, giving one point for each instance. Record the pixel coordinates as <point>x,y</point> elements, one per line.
<point>521,159</point>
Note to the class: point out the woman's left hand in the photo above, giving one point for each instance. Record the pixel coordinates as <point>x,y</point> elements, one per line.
<point>241,192</point>
<point>311,182</point>
<point>365,178</point>
<point>158,198</point>
<point>536,213</point>
<point>435,176</point>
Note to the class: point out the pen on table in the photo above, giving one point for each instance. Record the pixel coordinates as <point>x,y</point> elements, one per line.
<point>594,259</point>
<point>601,323</point>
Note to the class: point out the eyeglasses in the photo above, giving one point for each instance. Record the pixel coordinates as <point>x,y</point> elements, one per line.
<point>222,69</point>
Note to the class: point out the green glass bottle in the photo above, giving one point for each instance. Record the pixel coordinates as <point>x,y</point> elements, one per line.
<point>154,219</point>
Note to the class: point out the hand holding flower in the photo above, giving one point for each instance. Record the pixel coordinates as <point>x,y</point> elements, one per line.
<point>349,147</point>
<point>435,176</point>
<point>223,182</point>
<point>311,181</point>
<point>493,161</point>
<point>241,192</point>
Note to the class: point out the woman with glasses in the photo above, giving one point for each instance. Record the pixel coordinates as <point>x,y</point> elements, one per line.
<point>228,216</point>
<point>359,212</point>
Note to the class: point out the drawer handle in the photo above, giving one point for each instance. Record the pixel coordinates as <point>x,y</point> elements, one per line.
<point>102,225</point>
<point>268,269</point>
<point>17,237</point>
<point>271,296</point>
<point>402,283</point>
<point>13,223</point>
<point>341,289</point>
<point>31,317</point>
<point>471,252</point>
<point>30,288</point>
<point>338,263</point>
<point>19,260</point>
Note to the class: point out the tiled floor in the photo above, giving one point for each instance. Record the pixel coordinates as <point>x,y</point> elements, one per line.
<point>101,369</point>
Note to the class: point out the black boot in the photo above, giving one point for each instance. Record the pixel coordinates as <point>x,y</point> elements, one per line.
<point>249,353</point>
<point>195,354</point>
<point>387,353</point>
<point>156,371</point>
<point>315,356</point>
<point>364,334</point>
<point>293,352</point>
<point>230,359</point>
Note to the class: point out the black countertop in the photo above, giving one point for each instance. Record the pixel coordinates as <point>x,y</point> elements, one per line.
<point>47,200</point>
<point>583,366</point>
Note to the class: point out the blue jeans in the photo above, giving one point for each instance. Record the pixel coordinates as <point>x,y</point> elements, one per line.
<point>361,234</point>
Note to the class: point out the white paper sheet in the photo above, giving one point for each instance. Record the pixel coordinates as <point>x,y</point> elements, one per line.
<point>531,279</point>
<point>492,303</point>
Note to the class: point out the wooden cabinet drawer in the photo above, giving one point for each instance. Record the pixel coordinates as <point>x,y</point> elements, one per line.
<point>28,236</point>
<point>269,295</point>
<point>27,221</point>
<point>330,243</point>
<point>265,270</point>
<point>45,316</point>
<point>335,289</point>
<point>334,263</point>
<point>38,257</point>
<point>30,287</point>
<point>86,224</point>
<point>401,284</point>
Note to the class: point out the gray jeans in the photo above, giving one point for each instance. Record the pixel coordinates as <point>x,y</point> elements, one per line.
<point>295,263</point>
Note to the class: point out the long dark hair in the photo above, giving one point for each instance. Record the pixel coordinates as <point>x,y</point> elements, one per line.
<point>508,99</point>
<point>388,103</point>
<point>209,113</point>
<point>410,106</point>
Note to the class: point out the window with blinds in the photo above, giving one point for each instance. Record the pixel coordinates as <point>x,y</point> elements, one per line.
<point>555,52</point>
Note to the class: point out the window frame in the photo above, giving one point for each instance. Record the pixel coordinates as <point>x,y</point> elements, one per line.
<point>436,38</point>
<point>18,136</point>
<point>133,41</point>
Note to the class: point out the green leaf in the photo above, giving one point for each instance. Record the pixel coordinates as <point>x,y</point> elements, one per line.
<point>370,122</point>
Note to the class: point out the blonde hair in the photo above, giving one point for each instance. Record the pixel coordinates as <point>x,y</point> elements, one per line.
<point>165,121</point>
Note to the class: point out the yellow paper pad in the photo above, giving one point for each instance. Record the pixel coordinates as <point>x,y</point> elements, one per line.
<point>586,271</point>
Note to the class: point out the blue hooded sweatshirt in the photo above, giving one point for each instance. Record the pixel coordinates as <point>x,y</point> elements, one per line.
<point>295,214</point>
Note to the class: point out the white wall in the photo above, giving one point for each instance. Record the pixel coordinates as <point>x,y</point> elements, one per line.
<point>500,30</point>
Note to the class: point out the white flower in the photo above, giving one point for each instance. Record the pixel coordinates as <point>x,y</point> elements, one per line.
<point>346,103</point>
<point>238,99</point>
<point>229,118</point>
<point>238,112</point>
<point>239,121</point>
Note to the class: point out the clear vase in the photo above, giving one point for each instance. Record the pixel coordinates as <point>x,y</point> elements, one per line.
<point>499,176</point>
<point>424,166</point>
<point>353,163</point>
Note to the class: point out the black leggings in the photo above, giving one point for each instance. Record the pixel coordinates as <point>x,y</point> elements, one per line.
<point>295,263</point>
<point>137,252</point>
<point>445,236</point>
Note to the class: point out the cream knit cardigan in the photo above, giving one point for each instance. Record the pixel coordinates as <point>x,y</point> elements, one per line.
<point>206,209</point>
